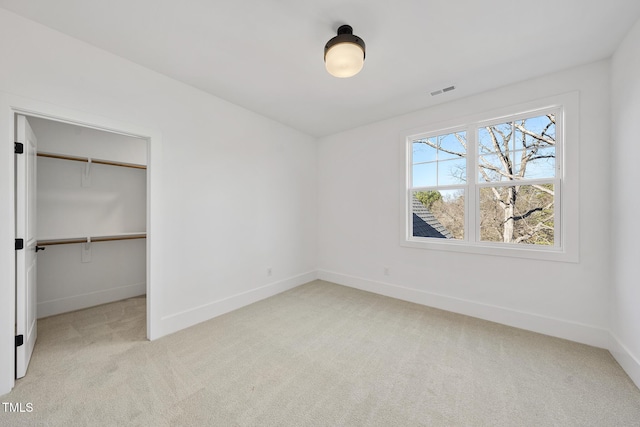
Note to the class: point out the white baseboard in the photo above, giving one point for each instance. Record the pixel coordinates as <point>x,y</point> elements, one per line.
<point>625,358</point>
<point>78,302</point>
<point>560,328</point>
<point>178,321</point>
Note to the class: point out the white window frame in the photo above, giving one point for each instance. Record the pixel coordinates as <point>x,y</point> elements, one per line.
<point>566,188</point>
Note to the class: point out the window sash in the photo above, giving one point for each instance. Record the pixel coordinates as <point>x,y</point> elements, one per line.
<point>557,221</point>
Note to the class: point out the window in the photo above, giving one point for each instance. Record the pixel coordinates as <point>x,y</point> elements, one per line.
<point>439,177</point>
<point>493,185</point>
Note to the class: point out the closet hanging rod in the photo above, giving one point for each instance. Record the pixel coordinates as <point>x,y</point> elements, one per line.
<point>85,159</point>
<point>93,239</point>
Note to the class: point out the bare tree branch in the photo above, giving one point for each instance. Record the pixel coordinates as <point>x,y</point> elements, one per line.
<point>432,145</point>
<point>540,226</point>
<point>541,138</point>
<point>543,189</point>
<point>503,155</point>
<point>461,140</point>
<point>484,166</point>
<point>532,211</point>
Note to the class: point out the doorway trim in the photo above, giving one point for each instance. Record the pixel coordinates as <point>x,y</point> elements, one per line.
<point>10,105</point>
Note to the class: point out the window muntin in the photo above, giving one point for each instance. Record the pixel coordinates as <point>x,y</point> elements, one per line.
<point>512,197</point>
<point>518,149</point>
<point>439,160</point>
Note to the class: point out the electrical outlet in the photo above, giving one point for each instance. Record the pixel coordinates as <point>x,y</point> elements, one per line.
<point>268,271</point>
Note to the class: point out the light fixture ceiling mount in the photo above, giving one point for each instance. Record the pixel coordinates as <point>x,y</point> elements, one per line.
<point>344,54</point>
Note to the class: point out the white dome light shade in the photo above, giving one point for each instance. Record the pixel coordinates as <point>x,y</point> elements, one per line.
<point>344,54</point>
<point>344,59</point>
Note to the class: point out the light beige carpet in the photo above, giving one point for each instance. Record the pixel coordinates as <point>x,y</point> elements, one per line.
<point>320,354</point>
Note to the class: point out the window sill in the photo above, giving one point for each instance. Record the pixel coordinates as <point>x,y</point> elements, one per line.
<point>528,252</point>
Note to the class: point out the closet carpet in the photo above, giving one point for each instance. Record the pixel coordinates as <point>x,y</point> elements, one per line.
<point>320,354</point>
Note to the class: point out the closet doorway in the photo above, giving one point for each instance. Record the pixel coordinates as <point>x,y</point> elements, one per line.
<point>90,219</point>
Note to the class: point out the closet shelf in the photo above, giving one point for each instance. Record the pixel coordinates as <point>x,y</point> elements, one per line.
<point>86,159</point>
<point>91,239</point>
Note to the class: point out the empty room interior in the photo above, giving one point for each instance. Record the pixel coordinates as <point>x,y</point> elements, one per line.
<point>319,213</point>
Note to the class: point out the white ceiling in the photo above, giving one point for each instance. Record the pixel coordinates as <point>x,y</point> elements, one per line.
<point>267,55</point>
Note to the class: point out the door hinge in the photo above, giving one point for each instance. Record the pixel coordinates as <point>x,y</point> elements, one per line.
<point>19,340</point>
<point>19,244</point>
<point>18,147</point>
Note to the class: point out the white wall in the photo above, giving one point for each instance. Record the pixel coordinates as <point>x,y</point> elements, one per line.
<point>625,204</point>
<point>65,283</point>
<point>114,202</point>
<point>360,200</point>
<point>237,195</point>
<point>64,138</point>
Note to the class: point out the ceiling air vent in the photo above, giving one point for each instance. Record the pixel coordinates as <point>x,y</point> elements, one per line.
<point>439,91</point>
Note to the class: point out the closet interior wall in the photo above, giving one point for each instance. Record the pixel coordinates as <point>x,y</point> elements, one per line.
<point>78,201</point>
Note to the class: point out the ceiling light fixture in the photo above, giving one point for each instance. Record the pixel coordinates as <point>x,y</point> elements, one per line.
<point>344,54</point>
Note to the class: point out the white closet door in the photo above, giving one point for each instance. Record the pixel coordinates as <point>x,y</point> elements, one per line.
<point>26,324</point>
